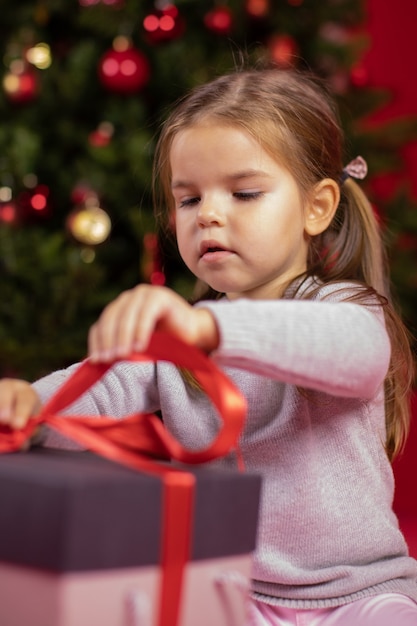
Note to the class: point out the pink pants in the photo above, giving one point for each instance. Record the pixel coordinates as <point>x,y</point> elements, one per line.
<point>388,609</point>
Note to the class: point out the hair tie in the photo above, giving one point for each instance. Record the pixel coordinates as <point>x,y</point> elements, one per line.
<point>357,168</point>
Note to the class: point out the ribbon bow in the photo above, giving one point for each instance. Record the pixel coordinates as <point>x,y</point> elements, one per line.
<point>138,439</point>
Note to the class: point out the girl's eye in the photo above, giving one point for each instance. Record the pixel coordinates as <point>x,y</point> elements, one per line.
<point>188,202</point>
<point>247,195</point>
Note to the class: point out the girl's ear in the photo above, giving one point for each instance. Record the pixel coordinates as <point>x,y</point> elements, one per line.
<point>322,206</point>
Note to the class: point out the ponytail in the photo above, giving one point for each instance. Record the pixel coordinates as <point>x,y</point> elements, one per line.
<point>352,249</point>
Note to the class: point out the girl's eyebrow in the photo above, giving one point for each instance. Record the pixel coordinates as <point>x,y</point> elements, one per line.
<point>250,173</point>
<point>240,175</point>
<point>178,184</point>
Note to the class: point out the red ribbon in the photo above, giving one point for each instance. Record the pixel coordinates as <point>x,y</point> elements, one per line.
<point>137,438</point>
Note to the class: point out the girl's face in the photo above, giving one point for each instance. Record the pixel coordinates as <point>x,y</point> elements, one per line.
<point>239,215</point>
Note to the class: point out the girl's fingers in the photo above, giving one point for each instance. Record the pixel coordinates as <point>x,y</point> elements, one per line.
<point>18,402</point>
<point>128,322</point>
<point>114,328</point>
<point>125,324</point>
<point>157,305</point>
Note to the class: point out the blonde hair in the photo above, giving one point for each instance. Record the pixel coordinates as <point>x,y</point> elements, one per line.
<point>294,118</point>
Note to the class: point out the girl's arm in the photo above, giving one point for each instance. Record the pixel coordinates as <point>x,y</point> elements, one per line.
<point>126,388</point>
<point>335,346</point>
<point>341,348</point>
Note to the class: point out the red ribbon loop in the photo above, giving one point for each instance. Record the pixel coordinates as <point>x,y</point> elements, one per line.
<point>229,402</point>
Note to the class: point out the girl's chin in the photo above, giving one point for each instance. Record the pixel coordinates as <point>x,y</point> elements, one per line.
<point>231,291</point>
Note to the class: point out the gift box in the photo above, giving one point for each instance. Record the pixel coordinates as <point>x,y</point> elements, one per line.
<point>80,543</point>
<point>84,541</point>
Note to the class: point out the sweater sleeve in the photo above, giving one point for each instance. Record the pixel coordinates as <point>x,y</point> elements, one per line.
<point>340,348</point>
<point>126,388</point>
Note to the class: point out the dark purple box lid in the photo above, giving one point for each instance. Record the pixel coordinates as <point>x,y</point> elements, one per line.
<point>75,511</point>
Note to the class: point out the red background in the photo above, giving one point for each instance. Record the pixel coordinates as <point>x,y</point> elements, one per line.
<point>391,63</point>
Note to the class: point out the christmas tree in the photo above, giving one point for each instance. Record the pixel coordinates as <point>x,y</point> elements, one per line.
<point>85,86</point>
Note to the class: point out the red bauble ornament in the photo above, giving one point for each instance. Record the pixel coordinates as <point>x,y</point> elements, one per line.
<point>40,198</point>
<point>164,24</point>
<point>219,20</point>
<point>35,203</point>
<point>257,8</point>
<point>124,70</point>
<point>8,212</point>
<point>283,50</point>
<point>21,85</point>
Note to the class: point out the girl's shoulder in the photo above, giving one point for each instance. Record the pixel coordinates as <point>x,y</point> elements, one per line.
<point>312,288</point>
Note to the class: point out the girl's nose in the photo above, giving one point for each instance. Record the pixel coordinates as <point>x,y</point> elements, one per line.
<point>210,214</point>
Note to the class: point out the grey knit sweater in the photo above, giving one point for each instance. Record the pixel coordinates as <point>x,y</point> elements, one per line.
<point>312,372</point>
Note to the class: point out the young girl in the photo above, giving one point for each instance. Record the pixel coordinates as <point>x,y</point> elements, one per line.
<point>299,316</point>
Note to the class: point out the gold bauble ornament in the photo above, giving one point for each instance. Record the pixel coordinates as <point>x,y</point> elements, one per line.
<point>89,225</point>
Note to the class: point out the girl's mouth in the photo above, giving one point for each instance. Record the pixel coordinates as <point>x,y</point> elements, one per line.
<point>211,247</point>
<point>213,252</point>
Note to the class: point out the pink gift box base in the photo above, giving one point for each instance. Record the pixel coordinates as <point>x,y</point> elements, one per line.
<point>214,593</point>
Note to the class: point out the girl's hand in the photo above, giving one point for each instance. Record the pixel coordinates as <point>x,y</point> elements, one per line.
<point>18,402</point>
<point>128,322</point>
